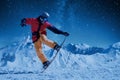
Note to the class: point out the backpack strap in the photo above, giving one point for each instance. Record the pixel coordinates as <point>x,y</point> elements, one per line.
<point>40,24</point>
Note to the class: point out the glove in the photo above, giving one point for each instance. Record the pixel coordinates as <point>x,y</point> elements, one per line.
<point>66,34</point>
<point>23,22</point>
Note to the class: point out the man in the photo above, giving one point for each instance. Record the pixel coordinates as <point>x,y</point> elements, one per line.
<point>39,35</point>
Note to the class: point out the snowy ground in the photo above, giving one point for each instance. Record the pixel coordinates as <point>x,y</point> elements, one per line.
<point>112,73</point>
<point>74,62</point>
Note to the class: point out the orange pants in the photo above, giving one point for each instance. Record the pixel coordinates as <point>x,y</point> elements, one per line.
<point>38,46</point>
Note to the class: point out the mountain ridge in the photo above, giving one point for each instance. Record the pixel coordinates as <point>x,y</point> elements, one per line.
<point>73,59</point>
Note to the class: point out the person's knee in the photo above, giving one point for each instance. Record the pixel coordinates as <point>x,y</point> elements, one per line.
<point>38,47</point>
<point>45,40</point>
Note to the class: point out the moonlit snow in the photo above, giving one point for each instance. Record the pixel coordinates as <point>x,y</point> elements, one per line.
<point>74,62</point>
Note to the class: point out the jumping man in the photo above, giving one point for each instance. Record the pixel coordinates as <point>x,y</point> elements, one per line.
<point>39,35</point>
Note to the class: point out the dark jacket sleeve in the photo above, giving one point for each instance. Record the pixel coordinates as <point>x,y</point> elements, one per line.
<point>55,30</point>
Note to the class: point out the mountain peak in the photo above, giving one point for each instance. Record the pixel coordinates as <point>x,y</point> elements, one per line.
<point>116,45</point>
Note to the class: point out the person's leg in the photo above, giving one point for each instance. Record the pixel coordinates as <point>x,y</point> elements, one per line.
<point>38,47</point>
<point>50,43</point>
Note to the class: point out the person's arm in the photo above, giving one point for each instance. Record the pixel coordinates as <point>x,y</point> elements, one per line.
<point>57,31</point>
<point>25,21</point>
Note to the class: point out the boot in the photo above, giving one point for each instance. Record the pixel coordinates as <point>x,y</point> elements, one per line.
<point>57,47</point>
<point>46,64</point>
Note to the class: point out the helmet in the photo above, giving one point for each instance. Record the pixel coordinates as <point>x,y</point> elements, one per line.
<point>44,15</point>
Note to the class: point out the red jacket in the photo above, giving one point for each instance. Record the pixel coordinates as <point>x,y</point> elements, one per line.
<point>34,26</point>
<point>46,25</point>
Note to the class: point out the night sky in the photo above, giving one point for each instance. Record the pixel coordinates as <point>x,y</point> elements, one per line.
<point>94,22</point>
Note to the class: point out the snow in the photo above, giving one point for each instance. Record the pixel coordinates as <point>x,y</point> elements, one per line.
<point>74,62</point>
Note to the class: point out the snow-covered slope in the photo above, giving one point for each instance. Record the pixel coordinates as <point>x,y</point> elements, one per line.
<point>74,62</point>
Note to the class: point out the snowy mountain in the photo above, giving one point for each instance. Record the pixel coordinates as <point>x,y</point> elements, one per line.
<point>74,62</point>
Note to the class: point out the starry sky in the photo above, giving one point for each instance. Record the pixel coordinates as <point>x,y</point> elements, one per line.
<point>94,22</point>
